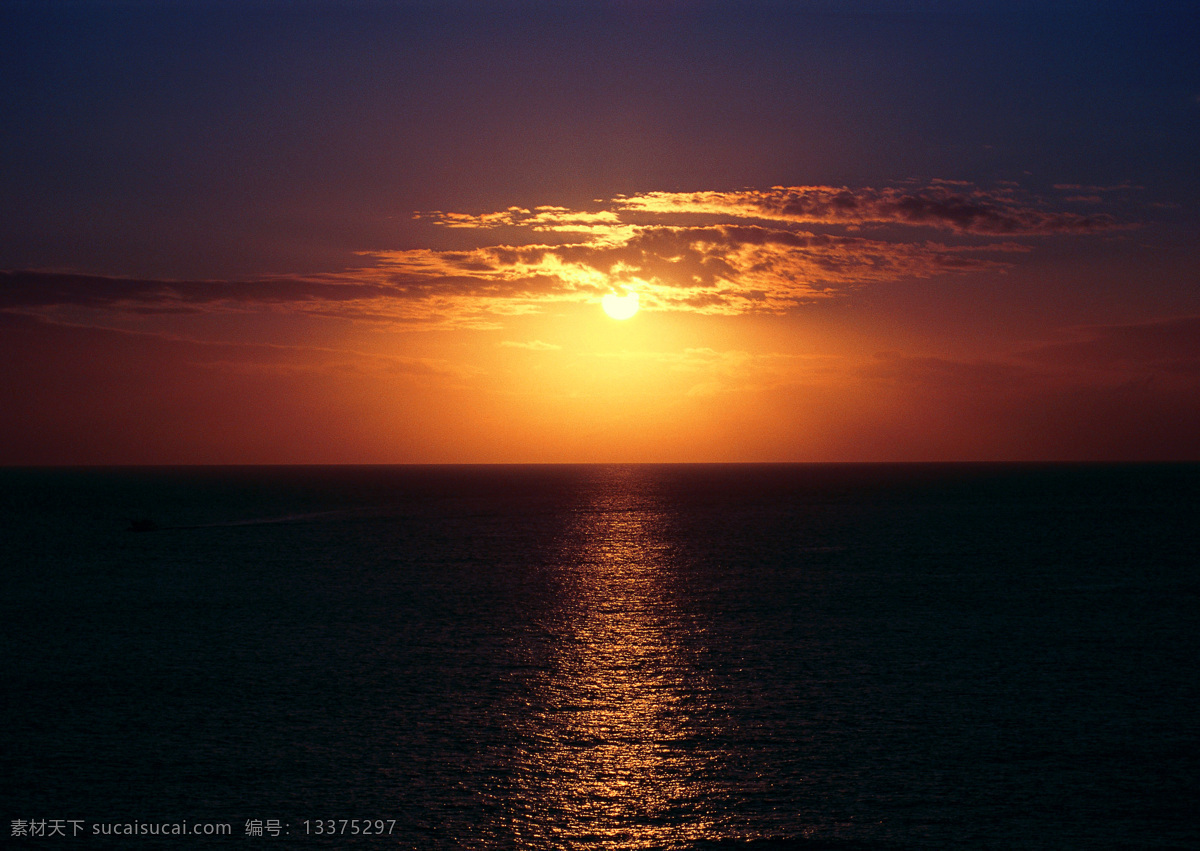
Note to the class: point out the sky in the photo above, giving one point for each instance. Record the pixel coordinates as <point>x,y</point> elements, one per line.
<point>304,232</point>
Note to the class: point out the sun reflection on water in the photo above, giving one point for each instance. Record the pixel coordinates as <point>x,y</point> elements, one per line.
<point>613,752</point>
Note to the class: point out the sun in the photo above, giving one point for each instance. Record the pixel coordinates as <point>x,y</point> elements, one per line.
<point>620,307</point>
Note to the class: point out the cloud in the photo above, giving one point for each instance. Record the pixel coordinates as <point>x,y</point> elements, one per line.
<point>532,345</point>
<point>36,289</point>
<point>718,269</point>
<point>1092,189</point>
<point>752,251</point>
<point>942,205</point>
<point>543,219</point>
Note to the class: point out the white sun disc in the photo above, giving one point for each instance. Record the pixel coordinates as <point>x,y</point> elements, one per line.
<point>620,307</point>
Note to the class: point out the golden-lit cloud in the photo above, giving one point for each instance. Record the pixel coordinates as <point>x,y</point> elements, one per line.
<point>719,269</point>
<point>542,219</point>
<point>723,253</point>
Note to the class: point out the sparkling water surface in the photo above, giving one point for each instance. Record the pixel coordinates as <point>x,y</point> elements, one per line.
<point>766,656</point>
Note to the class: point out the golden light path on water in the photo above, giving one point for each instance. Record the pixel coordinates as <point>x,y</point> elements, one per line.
<point>613,755</point>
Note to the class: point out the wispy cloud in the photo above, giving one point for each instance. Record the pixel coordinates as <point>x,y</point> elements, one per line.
<point>540,219</point>
<point>532,345</point>
<point>1093,189</point>
<point>943,205</point>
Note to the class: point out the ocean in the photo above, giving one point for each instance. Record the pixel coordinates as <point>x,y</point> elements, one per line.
<point>908,656</point>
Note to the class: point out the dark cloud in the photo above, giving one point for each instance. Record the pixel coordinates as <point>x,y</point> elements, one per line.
<point>34,289</point>
<point>943,205</point>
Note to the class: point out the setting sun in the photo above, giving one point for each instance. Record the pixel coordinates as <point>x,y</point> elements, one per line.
<point>620,307</point>
<point>605,235</point>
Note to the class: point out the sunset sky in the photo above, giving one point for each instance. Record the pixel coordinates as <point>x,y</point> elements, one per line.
<point>291,231</point>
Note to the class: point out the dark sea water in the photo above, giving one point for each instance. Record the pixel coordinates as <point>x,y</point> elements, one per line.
<point>682,657</point>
